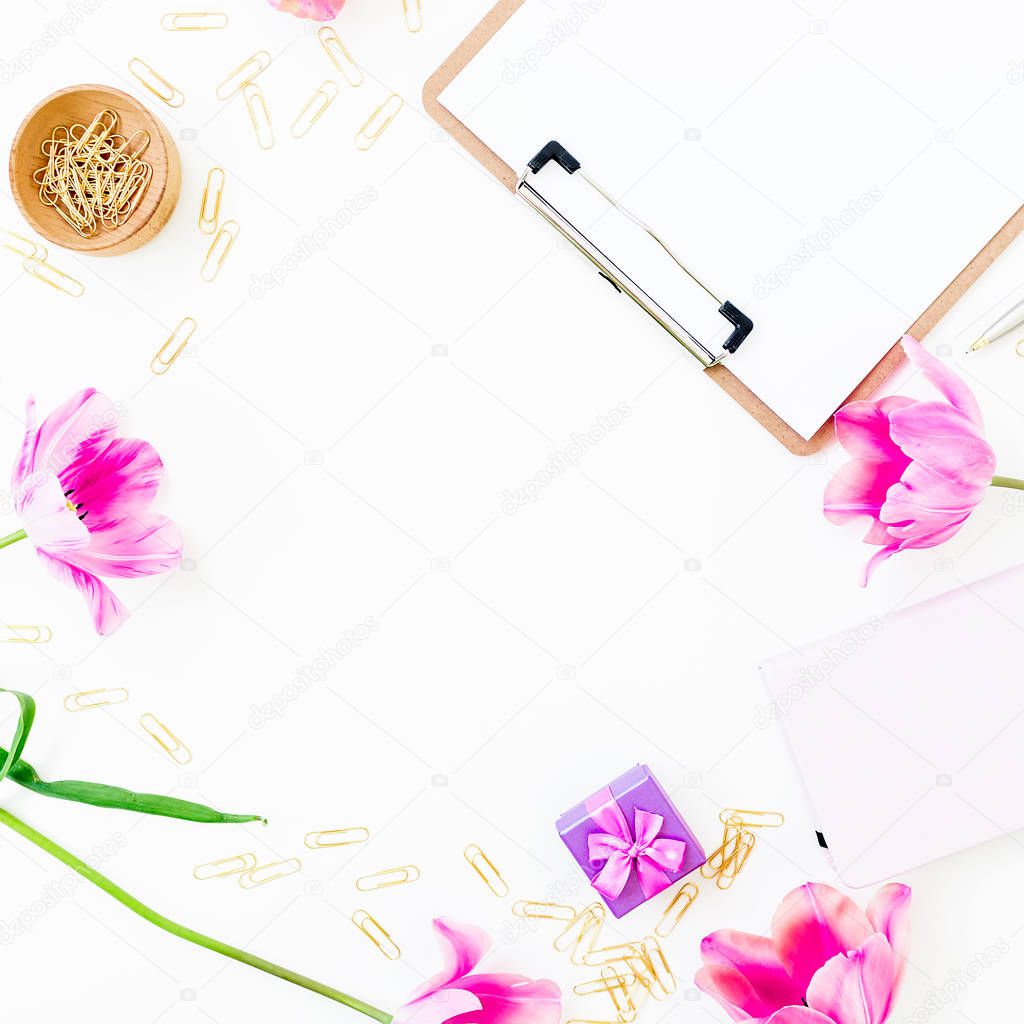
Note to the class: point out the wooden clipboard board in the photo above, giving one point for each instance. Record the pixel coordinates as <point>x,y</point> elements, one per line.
<point>721,374</point>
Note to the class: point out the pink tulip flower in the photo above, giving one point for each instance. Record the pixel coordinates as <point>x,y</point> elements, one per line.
<point>456,995</point>
<point>826,961</point>
<point>316,10</point>
<point>919,468</point>
<point>83,498</point>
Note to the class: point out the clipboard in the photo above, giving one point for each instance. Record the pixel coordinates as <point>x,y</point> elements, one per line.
<point>722,376</point>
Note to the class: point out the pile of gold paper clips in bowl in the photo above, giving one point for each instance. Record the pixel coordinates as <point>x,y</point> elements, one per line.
<point>92,177</point>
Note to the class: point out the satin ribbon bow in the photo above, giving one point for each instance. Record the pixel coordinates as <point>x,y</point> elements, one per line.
<point>621,851</point>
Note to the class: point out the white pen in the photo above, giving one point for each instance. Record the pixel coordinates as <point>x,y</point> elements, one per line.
<point>1009,321</point>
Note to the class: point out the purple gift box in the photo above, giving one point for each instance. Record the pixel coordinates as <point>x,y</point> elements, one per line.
<point>630,840</point>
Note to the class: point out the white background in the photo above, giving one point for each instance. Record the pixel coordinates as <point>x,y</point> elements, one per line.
<point>339,450</point>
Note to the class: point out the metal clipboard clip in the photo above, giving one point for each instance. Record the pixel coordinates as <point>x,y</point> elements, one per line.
<point>742,325</point>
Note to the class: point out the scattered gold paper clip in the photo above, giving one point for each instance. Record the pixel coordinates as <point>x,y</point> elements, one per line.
<point>243,74</point>
<point>375,124</point>
<point>209,208</point>
<point>587,924</point>
<point>716,860</point>
<point>676,909</point>
<point>279,869</point>
<point>752,819</point>
<point>224,867</point>
<point>193,21</point>
<point>605,983</point>
<point>55,278</point>
<point>1019,348</point>
<point>546,911</point>
<point>376,934</point>
<point>314,108</point>
<point>219,248</point>
<point>24,247</point>
<point>413,10</point>
<point>156,83</point>
<point>734,864</point>
<point>86,700</point>
<point>25,634</point>
<point>612,954</point>
<point>161,363</point>
<point>327,838</point>
<point>482,865</point>
<point>172,746</point>
<point>259,115</point>
<point>340,57</point>
<point>388,878</point>
<point>659,967</point>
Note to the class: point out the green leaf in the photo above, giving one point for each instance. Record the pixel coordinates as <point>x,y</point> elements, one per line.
<point>96,793</point>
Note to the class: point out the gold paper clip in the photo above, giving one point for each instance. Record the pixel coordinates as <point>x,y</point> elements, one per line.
<point>625,1008</point>
<point>413,10</point>
<point>313,110</point>
<point>259,115</point>
<point>386,879</point>
<point>611,954</point>
<point>209,208</point>
<point>588,922</point>
<point>659,967</point>
<point>609,979</point>
<point>279,869</point>
<point>86,700</point>
<point>547,911</point>
<point>160,363</point>
<point>482,865</point>
<point>25,634</point>
<point>224,867</point>
<point>752,819</point>
<point>376,934</point>
<point>716,861</point>
<point>55,278</point>
<point>156,83</point>
<point>243,74</point>
<point>219,248</point>
<point>677,908</point>
<point>173,747</point>
<point>327,838</point>
<point>193,21</point>
<point>24,247</point>
<point>734,865</point>
<point>375,124</point>
<point>340,57</point>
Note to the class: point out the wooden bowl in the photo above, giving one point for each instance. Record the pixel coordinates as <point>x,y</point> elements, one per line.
<point>79,104</point>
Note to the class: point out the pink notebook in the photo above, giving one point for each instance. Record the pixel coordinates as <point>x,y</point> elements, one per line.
<point>908,731</point>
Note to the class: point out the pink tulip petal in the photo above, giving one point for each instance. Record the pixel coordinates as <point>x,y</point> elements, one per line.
<point>462,946</point>
<point>317,10</point>
<point>511,999</point>
<point>732,991</point>
<point>856,987</point>
<point>438,1007</point>
<point>946,442</point>
<point>875,561</point>
<point>798,1015</point>
<point>21,470</point>
<point>754,957</point>
<point>813,924</point>
<point>862,428</point>
<point>107,611</point>
<point>135,547</point>
<point>46,518</point>
<point>860,488</point>
<point>87,419</point>
<point>889,913</point>
<point>118,482</point>
<point>948,383</point>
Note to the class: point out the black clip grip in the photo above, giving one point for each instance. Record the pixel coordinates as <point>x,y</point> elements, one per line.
<point>742,325</point>
<point>557,152</point>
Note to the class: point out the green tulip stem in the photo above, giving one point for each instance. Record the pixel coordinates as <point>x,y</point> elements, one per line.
<point>1008,481</point>
<point>12,538</point>
<point>104,883</point>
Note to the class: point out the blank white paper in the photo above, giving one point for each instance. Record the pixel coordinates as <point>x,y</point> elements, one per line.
<point>830,171</point>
